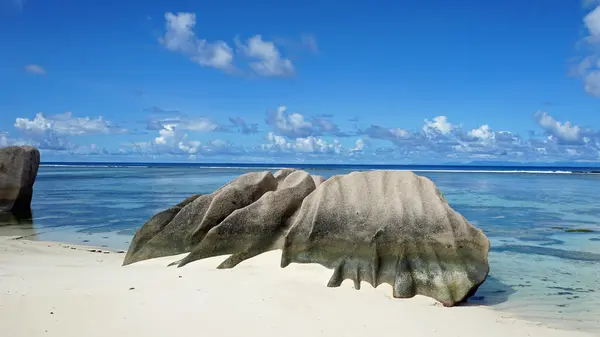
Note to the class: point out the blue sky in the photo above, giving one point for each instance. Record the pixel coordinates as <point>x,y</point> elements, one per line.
<point>313,81</point>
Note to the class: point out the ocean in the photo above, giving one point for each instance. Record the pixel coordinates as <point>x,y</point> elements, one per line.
<point>543,222</point>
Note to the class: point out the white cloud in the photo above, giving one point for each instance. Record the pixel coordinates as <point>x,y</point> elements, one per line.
<point>483,133</point>
<point>296,125</point>
<point>588,67</point>
<point>440,140</point>
<point>47,132</point>
<point>592,22</point>
<point>437,140</point>
<point>265,58</point>
<point>180,37</point>
<point>171,140</point>
<point>308,144</point>
<point>317,145</point>
<point>484,142</point>
<point>592,82</point>
<point>359,145</point>
<point>276,141</point>
<point>66,124</point>
<point>439,125</point>
<point>563,132</point>
<point>400,133</point>
<point>35,69</point>
<point>269,61</point>
<point>199,124</point>
<point>292,125</point>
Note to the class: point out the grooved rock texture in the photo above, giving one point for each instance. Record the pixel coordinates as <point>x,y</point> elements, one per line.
<point>377,226</point>
<point>18,170</point>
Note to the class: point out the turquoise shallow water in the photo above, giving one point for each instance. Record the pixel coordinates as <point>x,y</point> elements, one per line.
<point>538,271</point>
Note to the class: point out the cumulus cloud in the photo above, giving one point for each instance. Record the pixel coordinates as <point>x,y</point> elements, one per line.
<point>483,133</point>
<point>48,131</point>
<point>437,140</point>
<point>180,37</point>
<point>296,125</point>
<point>588,65</point>
<point>439,125</point>
<point>160,118</point>
<point>291,125</point>
<point>440,139</point>
<point>267,58</point>
<point>66,124</point>
<point>172,140</point>
<point>35,69</point>
<point>563,132</point>
<point>308,144</point>
<point>359,146</point>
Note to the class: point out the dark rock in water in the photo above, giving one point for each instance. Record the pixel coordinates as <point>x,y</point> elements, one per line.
<point>18,170</point>
<point>579,230</point>
<point>377,226</point>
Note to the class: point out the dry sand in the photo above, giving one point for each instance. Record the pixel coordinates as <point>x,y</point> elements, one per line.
<point>54,289</point>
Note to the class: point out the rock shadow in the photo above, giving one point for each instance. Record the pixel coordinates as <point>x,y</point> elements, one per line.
<point>12,225</point>
<point>492,292</point>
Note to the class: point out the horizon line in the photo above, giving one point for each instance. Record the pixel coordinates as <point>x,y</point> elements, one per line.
<point>491,164</point>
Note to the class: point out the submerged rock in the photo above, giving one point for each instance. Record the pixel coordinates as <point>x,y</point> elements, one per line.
<point>377,226</point>
<point>18,170</point>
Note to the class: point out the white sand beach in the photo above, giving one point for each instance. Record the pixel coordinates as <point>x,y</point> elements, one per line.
<point>55,289</point>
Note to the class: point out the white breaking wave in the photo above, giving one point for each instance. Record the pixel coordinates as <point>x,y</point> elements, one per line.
<point>499,171</point>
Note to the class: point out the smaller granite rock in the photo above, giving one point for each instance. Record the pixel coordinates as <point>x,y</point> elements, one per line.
<point>18,170</point>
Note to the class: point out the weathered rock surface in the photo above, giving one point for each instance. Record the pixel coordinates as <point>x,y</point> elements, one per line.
<point>18,170</point>
<point>378,226</point>
<point>183,228</point>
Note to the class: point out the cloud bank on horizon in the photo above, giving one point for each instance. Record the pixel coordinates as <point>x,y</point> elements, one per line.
<point>274,132</point>
<point>292,135</point>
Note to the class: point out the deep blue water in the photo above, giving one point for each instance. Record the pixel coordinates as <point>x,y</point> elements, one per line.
<point>456,168</point>
<point>538,270</point>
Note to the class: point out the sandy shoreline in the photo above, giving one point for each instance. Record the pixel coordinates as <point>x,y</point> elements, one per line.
<point>56,289</point>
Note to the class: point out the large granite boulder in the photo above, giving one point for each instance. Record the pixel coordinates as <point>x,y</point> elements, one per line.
<point>183,227</point>
<point>18,170</point>
<point>378,226</point>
